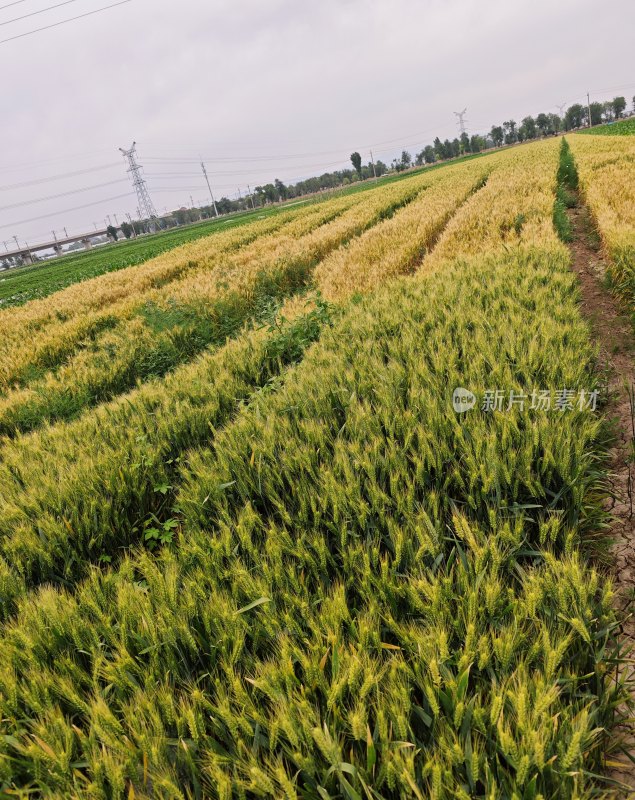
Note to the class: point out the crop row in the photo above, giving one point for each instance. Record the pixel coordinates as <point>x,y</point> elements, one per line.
<point>364,589</point>
<point>95,497</point>
<point>153,332</point>
<point>89,336</point>
<point>513,211</point>
<point>606,170</point>
<point>351,591</point>
<point>44,332</point>
<point>23,284</point>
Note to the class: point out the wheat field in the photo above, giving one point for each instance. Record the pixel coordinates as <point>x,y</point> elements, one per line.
<point>250,550</point>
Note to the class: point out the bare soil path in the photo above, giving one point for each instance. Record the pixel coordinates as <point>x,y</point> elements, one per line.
<point>614,334</point>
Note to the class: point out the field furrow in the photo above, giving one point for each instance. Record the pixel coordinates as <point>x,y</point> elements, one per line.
<point>514,211</point>
<point>606,168</point>
<point>398,245</point>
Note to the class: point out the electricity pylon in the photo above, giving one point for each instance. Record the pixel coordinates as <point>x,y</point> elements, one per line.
<point>461,120</point>
<point>146,208</point>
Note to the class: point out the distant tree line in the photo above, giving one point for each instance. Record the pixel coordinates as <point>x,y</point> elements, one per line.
<point>262,195</point>
<point>509,132</point>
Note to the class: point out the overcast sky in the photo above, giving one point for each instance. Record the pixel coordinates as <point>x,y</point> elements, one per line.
<point>271,88</point>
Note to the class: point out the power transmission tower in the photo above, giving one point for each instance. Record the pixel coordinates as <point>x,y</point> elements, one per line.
<point>461,120</point>
<point>146,208</point>
<point>560,107</point>
<point>210,188</point>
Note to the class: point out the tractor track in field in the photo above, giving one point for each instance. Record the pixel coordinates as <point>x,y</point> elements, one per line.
<point>616,341</point>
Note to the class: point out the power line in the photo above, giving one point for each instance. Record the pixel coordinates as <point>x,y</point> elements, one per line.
<point>64,21</point>
<point>61,194</point>
<point>66,210</point>
<point>61,176</point>
<point>39,11</point>
<point>173,175</point>
<point>15,3</point>
<point>283,156</point>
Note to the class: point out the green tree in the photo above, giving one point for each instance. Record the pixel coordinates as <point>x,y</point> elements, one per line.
<point>126,229</point>
<point>597,109</point>
<point>543,123</point>
<point>269,193</point>
<point>439,149</point>
<point>619,104</point>
<point>528,127</point>
<point>555,123</point>
<point>465,143</point>
<point>429,154</point>
<point>574,117</point>
<point>112,233</point>
<point>497,134</point>
<point>356,161</point>
<point>511,135</point>
<point>406,159</point>
<point>477,143</point>
<point>281,189</point>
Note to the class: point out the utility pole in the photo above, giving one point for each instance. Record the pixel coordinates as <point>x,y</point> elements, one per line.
<point>253,207</point>
<point>240,197</point>
<point>139,184</point>
<point>17,243</point>
<point>65,233</point>
<point>211,194</point>
<point>131,223</point>
<point>134,235</point>
<point>54,236</point>
<point>588,105</point>
<point>461,120</point>
<point>372,161</point>
<point>116,220</point>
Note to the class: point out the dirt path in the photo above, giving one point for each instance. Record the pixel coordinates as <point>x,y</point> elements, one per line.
<point>614,333</point>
